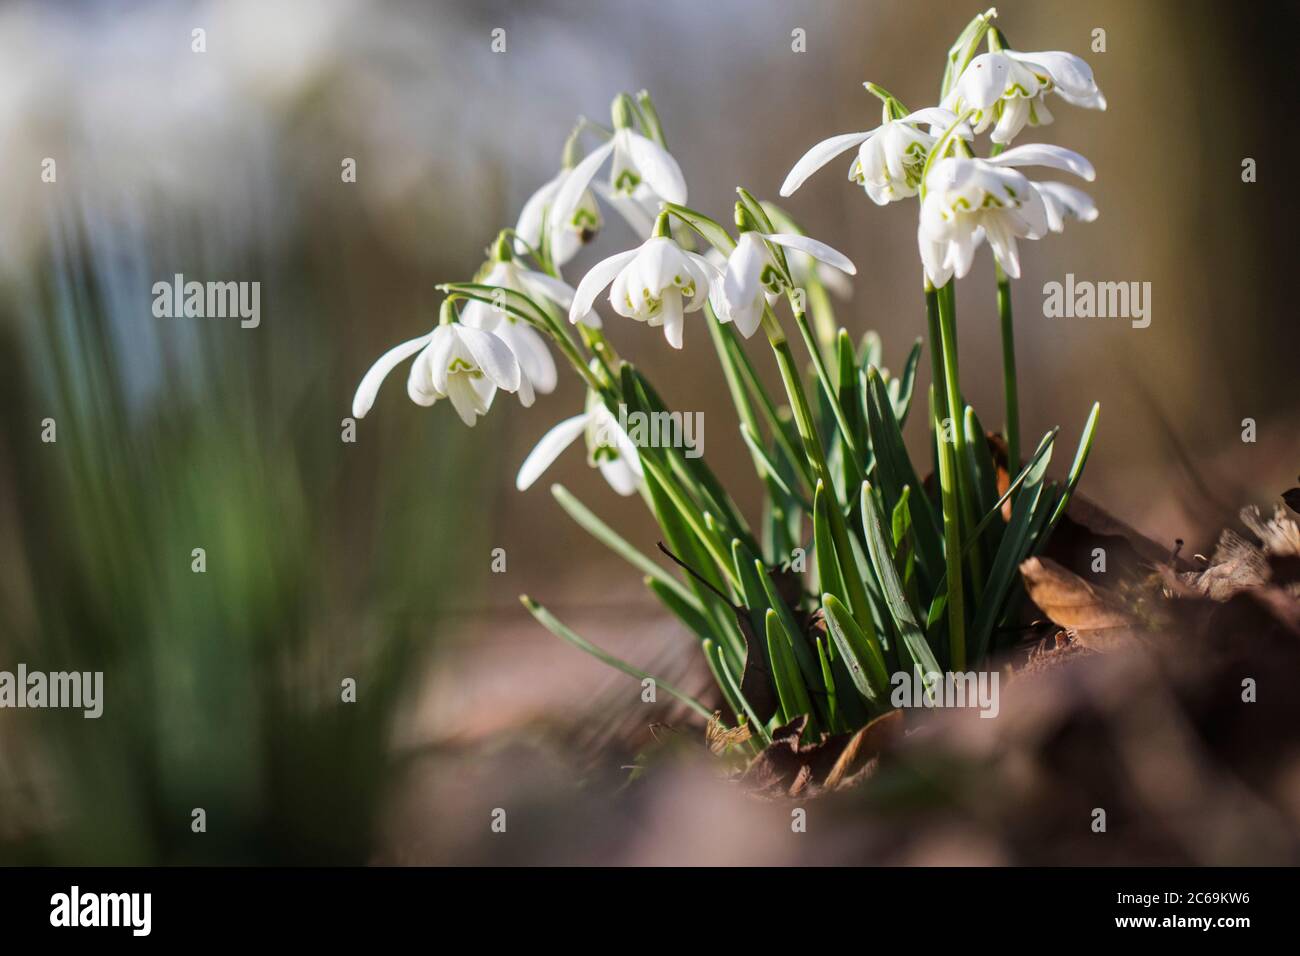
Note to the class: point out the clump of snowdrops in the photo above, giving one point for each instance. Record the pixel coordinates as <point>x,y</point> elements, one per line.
<point>856,571</point>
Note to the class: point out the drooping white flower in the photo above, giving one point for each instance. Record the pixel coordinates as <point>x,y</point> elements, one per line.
<point>969,200</point>
<point>753,279</point>
<point>609,448</point>
<point>641,175</point>
<point>890,157</point>
<point>1012,87</point>
<point>657,283</point>
<point>454,361</point>
<point>535,360</point>
<point>567,235</point>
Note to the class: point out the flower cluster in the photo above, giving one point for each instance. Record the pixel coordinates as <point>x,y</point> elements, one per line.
<point>906,579</point>
<point>965,199</point>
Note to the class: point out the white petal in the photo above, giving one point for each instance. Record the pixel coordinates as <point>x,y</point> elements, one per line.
<point>660,264</point>
<point>601,275</point>
<point>819,156</point>
<point>1003,244</point>
<point>529,226</point>
<point>442,347</point>
<point>419,382</point>
<point>467,402</point>
<point>492,355</point>
<point>619,476</point>
<point>575,183</point>
<point>548,449</point>
<point>370,382</point>
<point>1060,198</point>
<point>673,319</point>
<point>818,250</point>
<point>540,285</point>
<point>657,167</point>
<point>984,80</point>
<point>1040,154</point>
<point>639,209</point>
<point>742,283</point>
<point>932,116</point>
<point>535,361</point>
<point>1071,74</point>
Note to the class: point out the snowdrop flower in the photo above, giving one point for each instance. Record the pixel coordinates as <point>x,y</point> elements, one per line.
<point>967,200</point>
<point>753,279</point>
<point>890,157</point>
<point>566,235</point>
<point>454,361</point>
<point>641,175</point>
<point>529,348</point>
<point>608,448</point>
<point>657,283</point>
<point>1012,88</point>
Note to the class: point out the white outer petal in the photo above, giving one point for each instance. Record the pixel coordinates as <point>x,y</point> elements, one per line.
<point>549,448</point>
<point>575,183</point>
<point>657,167</point>
<point>1040,154</point>
<point>364,398</point>
<point>492,356</point>
<point>815,248</point>
<point>600,275</point>
<point>540,284</point>
<point>529,226</point>
<point>819,156</point>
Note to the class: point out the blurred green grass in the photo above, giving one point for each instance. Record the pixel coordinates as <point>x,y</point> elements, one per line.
<point>324,560</point>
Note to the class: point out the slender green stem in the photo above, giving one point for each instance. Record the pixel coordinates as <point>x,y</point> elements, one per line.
<point>964,484</point>
<point>1009,371</point>
<point>947,489</point>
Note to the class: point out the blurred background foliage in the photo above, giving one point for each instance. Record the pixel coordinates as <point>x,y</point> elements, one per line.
<point>328,560</point>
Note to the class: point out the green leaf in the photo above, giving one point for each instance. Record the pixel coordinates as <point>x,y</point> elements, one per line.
<point>828,568</point>
<point>790,688</point>
<point>1015,547</point>
<point>553,624</point>
<point>894,470</point>
<point>862,656</point>
<point>710,231</point>
<point>901,397</point>
<point>1076,471</point>
<point>905,618</point>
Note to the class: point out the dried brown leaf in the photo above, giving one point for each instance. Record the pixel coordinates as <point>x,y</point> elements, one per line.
<point>1095,619</point>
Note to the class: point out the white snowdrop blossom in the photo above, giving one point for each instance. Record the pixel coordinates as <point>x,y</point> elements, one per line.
<point>890,157</point>
<point>753,279</point>
<point>1012,88</point>
<point>566,235</point>
<point>609,448</point>
<point>657,283</point>
<point>454,361</point>
<point>641,175</point>
<point>968,200</point>
<point>535,361</point>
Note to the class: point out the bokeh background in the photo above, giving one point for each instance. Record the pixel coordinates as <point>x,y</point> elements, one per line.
<point>371,560</point>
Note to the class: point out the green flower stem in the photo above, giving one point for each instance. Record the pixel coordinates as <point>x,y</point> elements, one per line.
<point>1009,371</point>
<point>853,579</point>
<point>948,491</point>
<point>1009,388</point>
<point>964,484</point>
